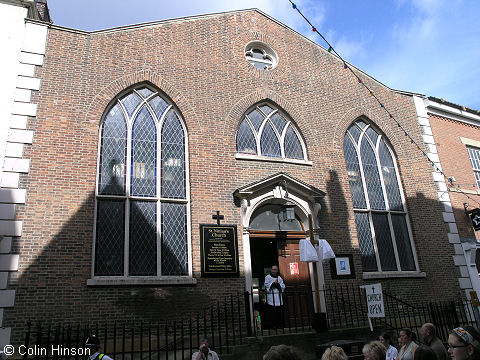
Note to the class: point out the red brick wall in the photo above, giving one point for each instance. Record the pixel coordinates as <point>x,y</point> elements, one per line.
<point>200,65</point>
<point>455,162</point>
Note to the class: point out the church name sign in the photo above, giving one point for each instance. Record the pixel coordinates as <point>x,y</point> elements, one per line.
<point>219,250</point>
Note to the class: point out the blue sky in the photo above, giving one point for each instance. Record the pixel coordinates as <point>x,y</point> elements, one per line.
<point>426,46</point>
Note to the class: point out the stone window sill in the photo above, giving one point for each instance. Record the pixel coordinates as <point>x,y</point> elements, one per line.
<point>239,156</point>
<point>393,275</point>
<point>141,281</point>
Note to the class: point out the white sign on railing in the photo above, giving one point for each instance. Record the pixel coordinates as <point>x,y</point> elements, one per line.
<point>375,300</point>
<point>375,306</point>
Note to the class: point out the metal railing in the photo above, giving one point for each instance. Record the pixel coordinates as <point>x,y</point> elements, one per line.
<point>224,324</point>
<point>227,322</point>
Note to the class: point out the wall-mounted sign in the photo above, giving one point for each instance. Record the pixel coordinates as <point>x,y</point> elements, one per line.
<point>474,297</point>
<point>342,267</point>
<point>294,269</point>
<point>219,250</point>
<point>475,216</point>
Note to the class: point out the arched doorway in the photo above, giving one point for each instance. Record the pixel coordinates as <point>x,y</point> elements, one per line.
<point>274,240</point>
<point>268,238</point>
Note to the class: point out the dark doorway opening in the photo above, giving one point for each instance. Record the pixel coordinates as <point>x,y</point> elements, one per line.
<point>282,249</point>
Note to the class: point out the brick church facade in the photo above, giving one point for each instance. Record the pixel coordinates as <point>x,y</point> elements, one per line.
<point>143,132</point>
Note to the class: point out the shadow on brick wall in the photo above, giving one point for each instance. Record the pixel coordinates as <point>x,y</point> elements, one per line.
<point>52,284</point>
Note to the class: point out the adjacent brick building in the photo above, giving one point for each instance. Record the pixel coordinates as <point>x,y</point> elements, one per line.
<point>143,132</point>
<point>452,134</point>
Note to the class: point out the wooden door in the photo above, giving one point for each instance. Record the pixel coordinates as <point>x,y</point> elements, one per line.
<point>298,296</point>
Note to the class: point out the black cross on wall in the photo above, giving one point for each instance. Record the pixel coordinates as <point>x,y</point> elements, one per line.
<point>217,217</point>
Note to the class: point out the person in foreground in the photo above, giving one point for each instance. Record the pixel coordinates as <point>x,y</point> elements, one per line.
<point>429,336</point>
<point>408,346</point>
<point>424,352</point>
<point>374,350</point>
<point>282,352</point>
<point>204,352</point>
<point>464,343</point>
<point>334,353</point>
<point>93,344</point>
<point>386,340</point>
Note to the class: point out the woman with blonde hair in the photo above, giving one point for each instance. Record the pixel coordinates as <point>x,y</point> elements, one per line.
<point>374,350</point>
<point>334,353</point>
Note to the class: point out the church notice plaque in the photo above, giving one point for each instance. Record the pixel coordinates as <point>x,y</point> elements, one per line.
<point>219,250</point>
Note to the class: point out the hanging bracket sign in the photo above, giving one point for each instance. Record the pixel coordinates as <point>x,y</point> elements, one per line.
<point>475,217</point>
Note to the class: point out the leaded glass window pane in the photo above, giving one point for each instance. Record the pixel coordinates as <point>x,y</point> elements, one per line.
<point>404,246</point>
<point>145,92</point>
<point>158,105</point>
<point>361,123</point>
<point>256,118</point>
<point>266,109</point>
<point>355,132</point>
<point>276,135</point>
<point>272,217</point>
<point>369,260</point>
<point>384,242</point>
<point>131,102</point>
<point>372,134</point>
<point>113,153</point>
<point>269,143</point>
<point>279,122</point>
<point>390,178</point>
<point>144,155</point>
<point>372,177</point>
<point>109,241</point>
<point>390,230</point>
<point>143,238</point>
<point>354,175</point>
<point>174,244</point>
<point>173,158</point>
<point>145,235</point>
<point>293,147</point>
<point>245,140</point>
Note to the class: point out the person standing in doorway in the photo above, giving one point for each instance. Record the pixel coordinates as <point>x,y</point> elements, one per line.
<point>274,287</point>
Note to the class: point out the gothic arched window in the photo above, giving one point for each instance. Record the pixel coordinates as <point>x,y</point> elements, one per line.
<point>380,214</point>
<point>266,131</point>
<point>141,197</point>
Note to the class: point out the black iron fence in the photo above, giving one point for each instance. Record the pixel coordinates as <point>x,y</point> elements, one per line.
<point>223,324</point>
<point>230,320</point>
<point>346,307</point>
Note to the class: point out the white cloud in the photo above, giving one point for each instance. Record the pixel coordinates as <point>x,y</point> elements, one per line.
<point>435,52</point>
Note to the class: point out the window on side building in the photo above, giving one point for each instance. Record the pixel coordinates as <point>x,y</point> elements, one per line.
<point>141,196</point>
<point>266,131</point>
<point>381,218</point>
<point>474,155</point>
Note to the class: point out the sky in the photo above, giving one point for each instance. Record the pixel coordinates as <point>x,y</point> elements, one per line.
<point>431,47</point>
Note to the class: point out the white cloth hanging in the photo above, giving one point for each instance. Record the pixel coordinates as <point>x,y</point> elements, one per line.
<point>307,251</point>
<point>325,251</point>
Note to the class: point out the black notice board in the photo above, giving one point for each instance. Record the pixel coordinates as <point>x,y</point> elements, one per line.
<point>219,250</point>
